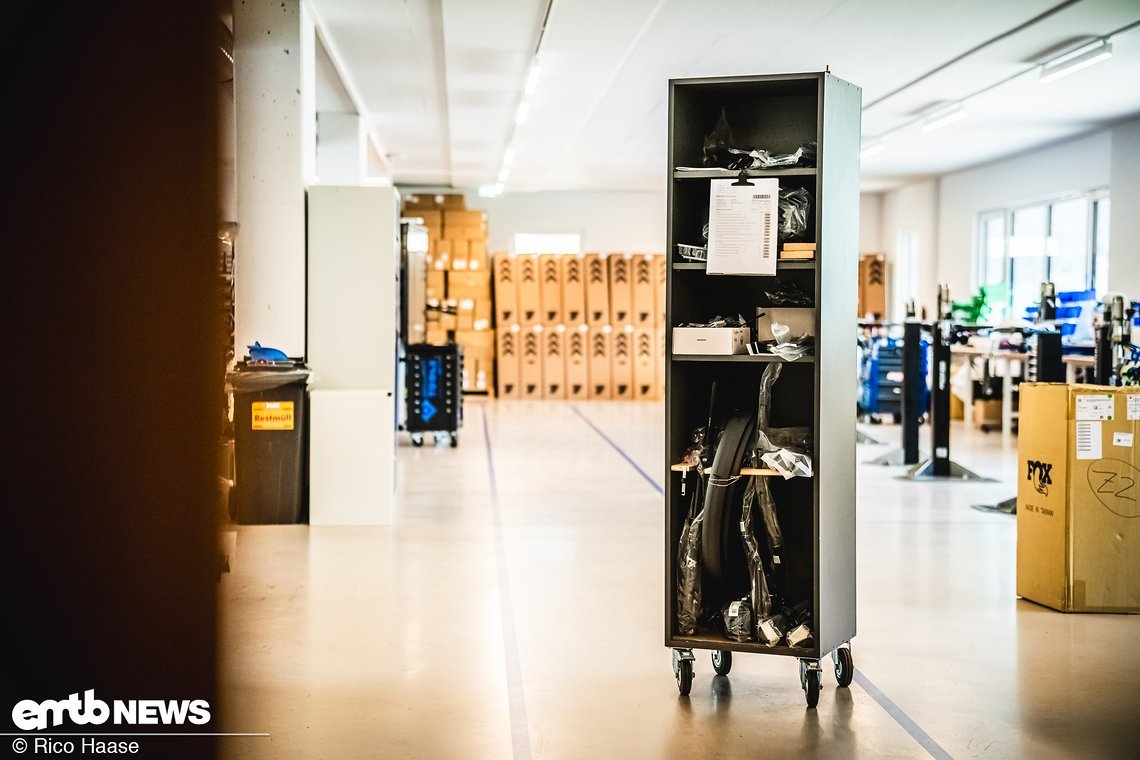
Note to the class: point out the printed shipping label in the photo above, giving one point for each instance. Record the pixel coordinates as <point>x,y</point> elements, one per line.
<point>1134,406</point>
<point>272,415</point>
<point>1088,440</point>
<point>1094,407</point>
<point>1122,439</point>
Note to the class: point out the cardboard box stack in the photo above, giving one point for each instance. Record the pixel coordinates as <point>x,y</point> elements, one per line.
<point>458,287</point>
<point>587,326</point>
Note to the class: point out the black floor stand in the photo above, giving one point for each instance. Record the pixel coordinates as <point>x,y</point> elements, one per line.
<point>912,409</point>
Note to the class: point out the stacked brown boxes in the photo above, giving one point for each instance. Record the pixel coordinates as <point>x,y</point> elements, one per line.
<point>459,283</point>
<point>872,285</point>
<point>589,326</point>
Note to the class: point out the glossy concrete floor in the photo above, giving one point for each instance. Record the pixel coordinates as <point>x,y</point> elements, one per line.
<point>514,610</point>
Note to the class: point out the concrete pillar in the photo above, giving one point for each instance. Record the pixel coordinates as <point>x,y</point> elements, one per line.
<point>342,149</point>
<point>274,79</point>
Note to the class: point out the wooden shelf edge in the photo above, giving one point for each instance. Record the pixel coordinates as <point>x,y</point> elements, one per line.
<point>740,358</point>
<point>785,265</point>
<point>744,471</point>
<point>775,173</point>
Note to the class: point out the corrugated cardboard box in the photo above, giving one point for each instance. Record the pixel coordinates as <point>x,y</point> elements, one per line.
<point>643,286</point>
<point>987,413</point>
<point>872,296</point>
<point>435,284</point>
<point>1078,516</point>
<point>621,289</point>
<point>506,289</point>
<point>659,336</point>
<point>437,201</point>
<point>431,218</point>
<point>550,288</point>
<point>467,225</point>
<point>483,314</point>
<point>508,344</point>
<point>621,364</point>
<point>577,362</point>
<point>434,335</point>
<point>530,362</point>
<point>573,290</point>
<point>601,342</point>
<point>477,259</point>
<point>554,362</point>
<point>459,252</point>
<point>597,290</point>
<point>473,285</point>
<point>644,364</point>
<point>465,316</point>
<point>660,274</point>
<point>530,301</point>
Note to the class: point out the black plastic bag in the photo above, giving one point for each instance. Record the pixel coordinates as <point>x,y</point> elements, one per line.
<point>795,207</point>
<point>737,617</point>
<point>758,580</point>
<point>714,152</point>
<point>689,564</point>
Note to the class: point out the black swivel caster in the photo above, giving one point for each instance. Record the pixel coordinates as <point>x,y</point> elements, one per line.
<point>722,661</point>
<point>844,666</point>
<point>811,679</point>
<point>454,440</point>
<point>417,439</point>
<point>683,670</point>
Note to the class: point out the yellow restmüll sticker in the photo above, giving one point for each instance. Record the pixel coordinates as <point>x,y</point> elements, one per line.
<point>272,415</point>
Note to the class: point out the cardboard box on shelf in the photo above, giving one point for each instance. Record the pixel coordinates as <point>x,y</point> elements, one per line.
<point>505,276</point>
<point>459,252</point>
<point>660,273</point>
<point>468,225</point>
<point>601,343</point>
<point>797,251</point>
<point>434,335</point>
<point>441,258</point>
<point>577,363</point>
<point>1078,519</point>
<point>448,318</point>
<point>644,364</point>
<point>530,300</point>
<point>474,285</point>
<point>554,362</point>
<point>872,295</point>
<point>530,362</point>
<point>507,347</point>
<point>484,314</point>
<point>621,363</point>
<point>597,290</point>
<point>659,336</point>
<point>476,342</point>
<point>435,284</point>
<point>643,287</point>
<point>621,289</point>
<point>573,290</point>
<point>436,201</point>
<point>465,315</point>
<point>432,218</point>
<point>550,288</point>
<point>477,259</point>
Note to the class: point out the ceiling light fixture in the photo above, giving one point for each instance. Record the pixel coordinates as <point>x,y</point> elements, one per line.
<point>498,188</point>
<point>532,78</point>
<point>521,114</point>
<point>943,116</point>
<point>503,174</point>
<point>509,157</point>
<point>1075,60</point>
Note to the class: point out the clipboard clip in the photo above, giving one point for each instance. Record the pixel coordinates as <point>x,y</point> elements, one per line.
<point>742,179</point>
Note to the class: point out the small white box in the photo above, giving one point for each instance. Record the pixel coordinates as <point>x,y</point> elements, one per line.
<point>710,341</point>
<point>801,320</point>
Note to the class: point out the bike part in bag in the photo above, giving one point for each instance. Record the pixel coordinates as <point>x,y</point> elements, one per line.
<point>758,581</point>
<point>689,565</point>
<point>786,293</point>
<point>737,618</point>
<point>714,151</point>
<point>794,206</point>
<point>723,495</point>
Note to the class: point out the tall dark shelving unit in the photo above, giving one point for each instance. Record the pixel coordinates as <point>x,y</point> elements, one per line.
<point>817,515</point>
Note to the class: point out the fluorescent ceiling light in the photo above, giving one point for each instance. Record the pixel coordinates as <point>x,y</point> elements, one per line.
<point>873,149</point>
<point>503,174</point>
<point>521,114</point>
<point>532,78</point>
<point>498,188</point>
<point>509,157</point>
<point>486,191</point>
<point>944,116</point>
<point>1075,60</point>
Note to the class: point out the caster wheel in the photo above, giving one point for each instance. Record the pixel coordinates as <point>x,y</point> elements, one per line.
<point>685,677</point>
<point>417,440</point>
<point>722,662</point>
<point>454,440</point>
<point>844,667</point>
<point>811,688</point>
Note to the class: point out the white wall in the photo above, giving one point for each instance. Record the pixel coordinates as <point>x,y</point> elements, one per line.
<point>1124,227</point>
<point>911,209</point>
<point>1076,165</point>
<point>870,222</point>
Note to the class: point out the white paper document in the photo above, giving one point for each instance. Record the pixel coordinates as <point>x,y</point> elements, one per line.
<point>1088,440</point>
<point>742,227</point>
<point>1122,439</point>
<point>1094,407</point>
<point>1134,406</point>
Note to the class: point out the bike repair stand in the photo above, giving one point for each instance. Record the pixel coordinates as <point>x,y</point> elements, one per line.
<point>912,408</point>
<point>940,466</point>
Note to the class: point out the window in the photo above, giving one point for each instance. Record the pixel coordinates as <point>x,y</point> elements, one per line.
<point>1064,241</point>
<point>547,242</point>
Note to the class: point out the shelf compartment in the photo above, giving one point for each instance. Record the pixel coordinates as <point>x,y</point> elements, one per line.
<point>791,171</point>
<point>702,640</point>
<point>744,471</point>
<point>741,358</point>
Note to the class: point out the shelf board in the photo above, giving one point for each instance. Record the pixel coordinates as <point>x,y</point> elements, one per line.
<point>793,264</point>
<point>794,171</point>
<point>702,640</point>
<point>740,358</point>
<point>744,471</point>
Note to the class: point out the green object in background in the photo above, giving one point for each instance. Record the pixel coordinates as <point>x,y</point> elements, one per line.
<point>980,306</point>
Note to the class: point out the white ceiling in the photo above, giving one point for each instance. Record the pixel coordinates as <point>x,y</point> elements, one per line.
<point>440,80</point>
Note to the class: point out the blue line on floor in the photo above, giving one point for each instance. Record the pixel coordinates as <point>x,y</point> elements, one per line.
<point>656,486</point>
<point>516,699</point>
<point>904,720</point>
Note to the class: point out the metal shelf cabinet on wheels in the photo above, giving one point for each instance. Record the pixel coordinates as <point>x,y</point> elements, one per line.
<point>777,113</point>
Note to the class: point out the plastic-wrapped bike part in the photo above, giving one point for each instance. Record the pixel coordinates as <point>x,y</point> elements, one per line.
<point>723,494</point>
<point>793,438</point>
<point>758,581</point>
<point>764,398</point>
<point>794,206</point>
<point>689,564</point>
<point>737,616</point>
